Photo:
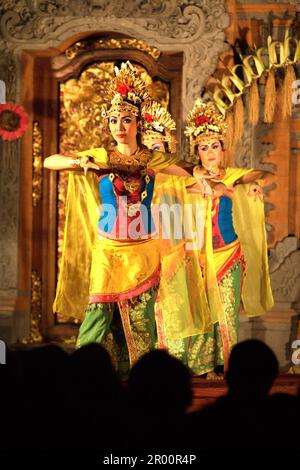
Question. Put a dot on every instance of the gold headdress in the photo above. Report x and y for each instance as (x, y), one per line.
(157, 125)
(126, 92)
(204, 121)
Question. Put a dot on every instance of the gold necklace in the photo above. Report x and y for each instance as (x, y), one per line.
(219, 173)
(132, 162)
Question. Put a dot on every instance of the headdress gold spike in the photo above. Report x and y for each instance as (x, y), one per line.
(158, 125)
(126, 91)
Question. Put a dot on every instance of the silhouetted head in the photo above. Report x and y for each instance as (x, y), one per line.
(252, 369)
(92, 357)
(160, 383)
(44, 362)
(92, 373)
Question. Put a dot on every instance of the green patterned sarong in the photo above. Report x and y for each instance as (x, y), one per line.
(203, 352)
(127, 329)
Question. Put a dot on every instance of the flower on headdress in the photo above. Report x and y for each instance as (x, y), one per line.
(213, 127)
(201, 120)
(13, 121)
(148, 117)
(198, 130)
(123, 89)
(159, 127)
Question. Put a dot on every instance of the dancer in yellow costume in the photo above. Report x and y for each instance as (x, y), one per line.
(111, 257)
(227, 258)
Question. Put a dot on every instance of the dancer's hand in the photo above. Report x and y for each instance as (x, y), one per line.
(86, 164)
(200, 173)
(206, 190)
(219, 189)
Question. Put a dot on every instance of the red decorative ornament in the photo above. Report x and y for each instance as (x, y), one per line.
(13, 121)
(123, 89)
(148, 117)
(201, 120)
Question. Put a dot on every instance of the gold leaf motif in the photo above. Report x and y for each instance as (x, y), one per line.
(275, 54)
(112, 43)
(37, 164)
(35, 335)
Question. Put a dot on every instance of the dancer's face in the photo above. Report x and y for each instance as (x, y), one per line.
(123, 128)
(211, 153)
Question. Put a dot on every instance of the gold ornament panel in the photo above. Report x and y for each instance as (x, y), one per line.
(111, 43)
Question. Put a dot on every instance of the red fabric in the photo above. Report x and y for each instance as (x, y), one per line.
(98, 298)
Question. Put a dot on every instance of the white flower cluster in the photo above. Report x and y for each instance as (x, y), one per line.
(213, 127)
(157, 126)
(198, 130)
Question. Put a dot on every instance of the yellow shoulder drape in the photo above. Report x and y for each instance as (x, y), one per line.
(190, 297)
(160, 160)
(183, 299)
(82, 214)
(249, 224)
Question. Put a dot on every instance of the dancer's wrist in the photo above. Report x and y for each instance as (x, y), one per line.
(75, 162)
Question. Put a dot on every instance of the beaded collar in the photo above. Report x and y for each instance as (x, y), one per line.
(131, 163)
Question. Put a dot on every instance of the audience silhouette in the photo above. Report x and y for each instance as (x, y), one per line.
(246, 415)
(98, 397)
(160, 391)
(54, 400)
(252, 369)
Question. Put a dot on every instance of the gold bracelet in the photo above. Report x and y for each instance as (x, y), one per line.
(75, 162)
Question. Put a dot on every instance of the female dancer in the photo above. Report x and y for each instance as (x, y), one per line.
(232, 256)
(115, 271)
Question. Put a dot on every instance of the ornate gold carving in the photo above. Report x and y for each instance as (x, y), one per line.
(196, 29)
(37, 164)
(127, 43)
(35, 335)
